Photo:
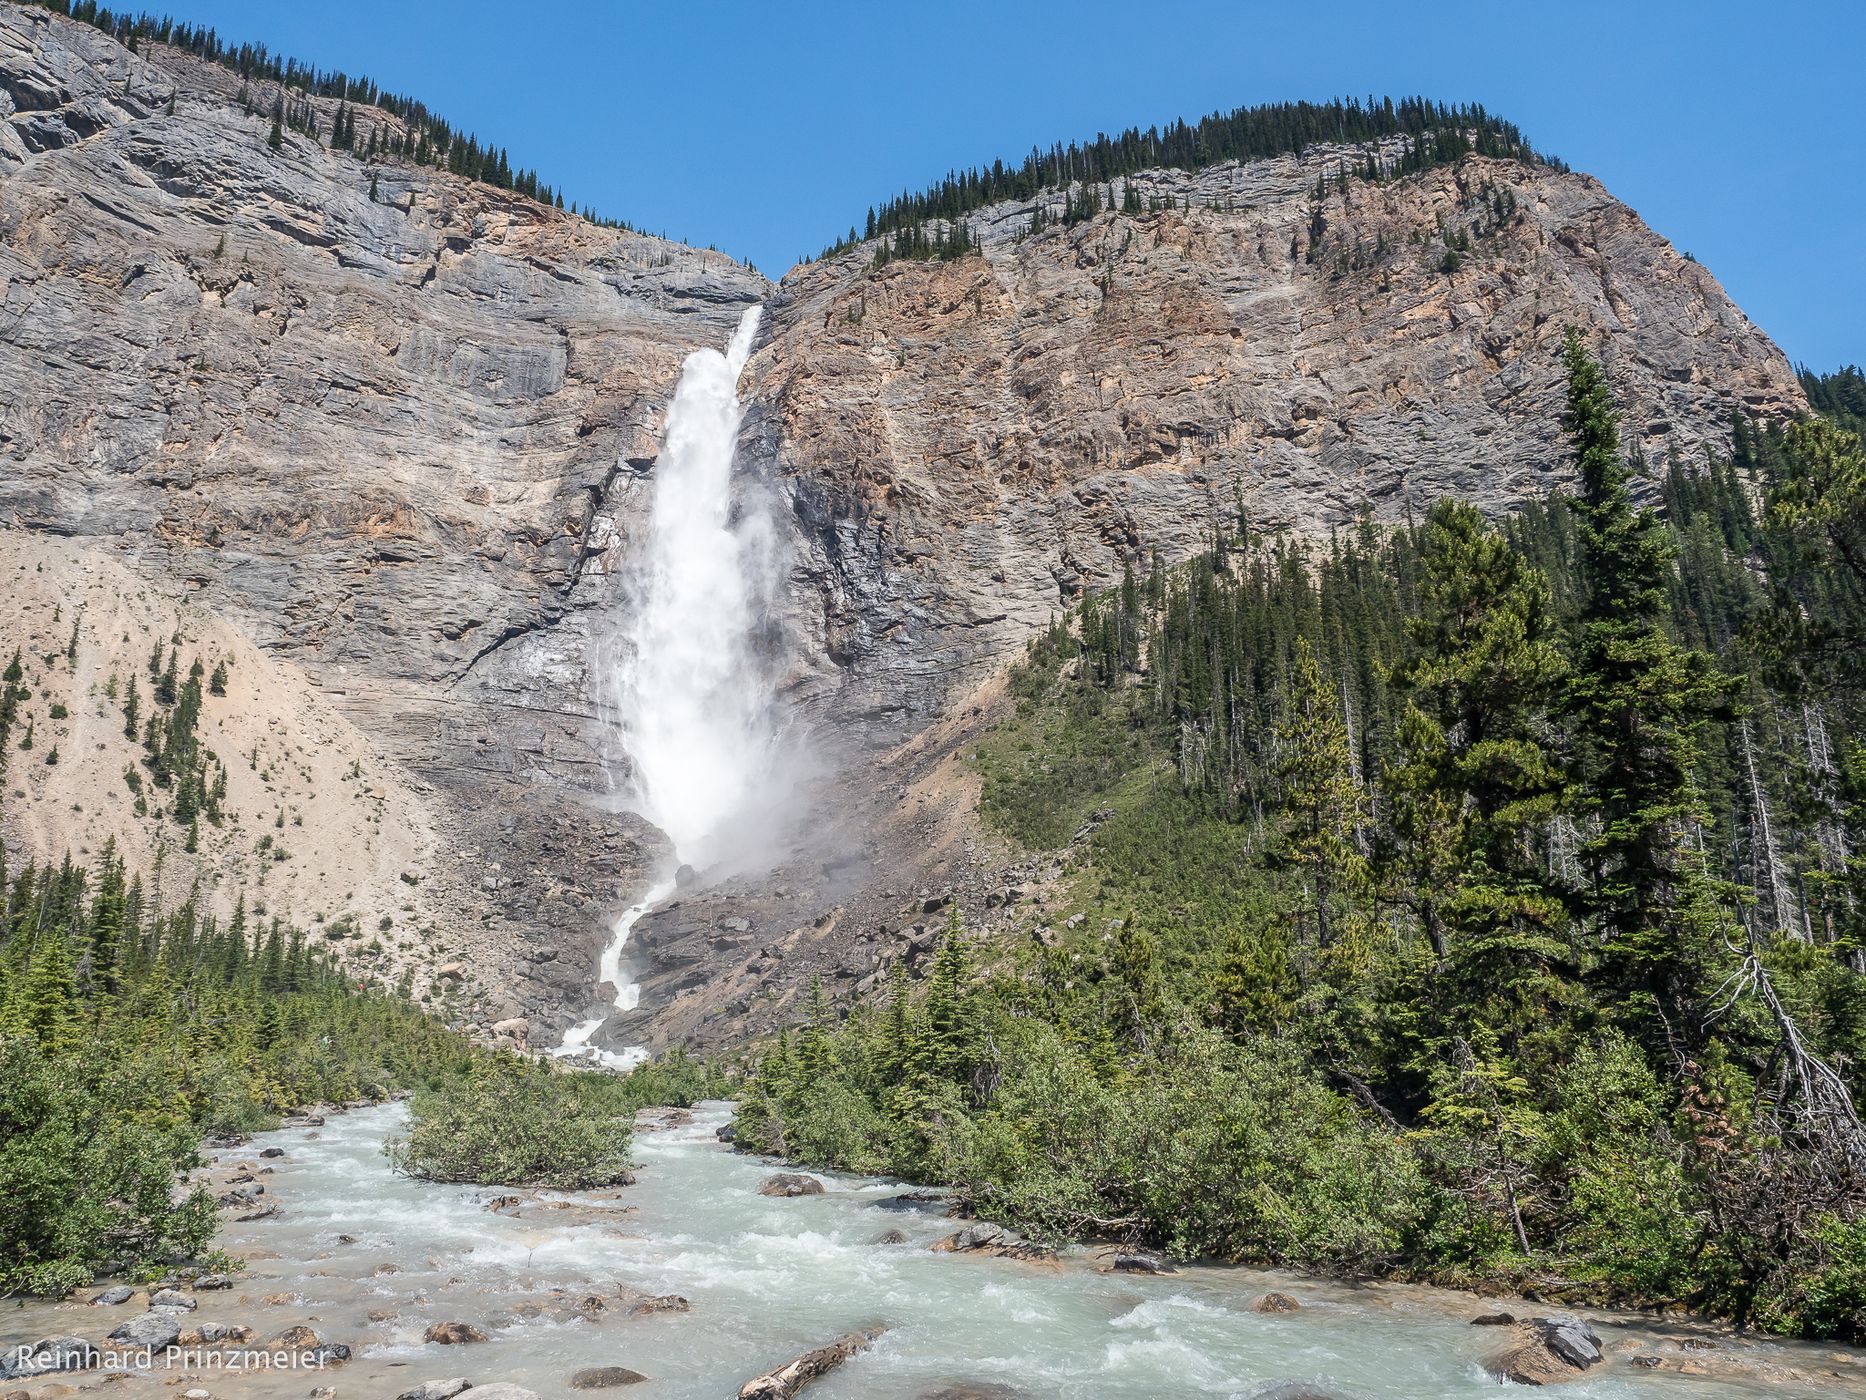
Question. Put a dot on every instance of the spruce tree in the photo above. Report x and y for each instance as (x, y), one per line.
(1481, 779)
(1323, 799)
(1637, 700)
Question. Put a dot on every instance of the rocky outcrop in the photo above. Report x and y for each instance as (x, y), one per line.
(1547, 1351)
(787, 1184)
(971, 445)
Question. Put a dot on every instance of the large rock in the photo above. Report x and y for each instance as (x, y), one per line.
(436, 1390)
(453, 1333)
(155, 1330)
(1139, 1261)
(1573, 1340)
(973, 1239)
(1546, 1351)
(48, 1355)
(790, 1184)
(605, 1378)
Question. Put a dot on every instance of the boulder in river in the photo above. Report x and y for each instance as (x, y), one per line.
(211, 1282)
(790, 1184)
(152, 1329)
(1547, 1351)
(47, 1355)
(437, 1390)
(1494, 1319)
(453, 1333)
(974, 1239)
(654, 1120)
(1276, 1303)
(890, 1237)
(112, 1296)
(213, 1333)
(500, 1390)
(1139, 1261)
(995, 1240)
(911, 1200)
(172, 1298)
(605, 1378)
(649, 1304)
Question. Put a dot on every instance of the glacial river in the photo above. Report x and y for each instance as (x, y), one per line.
(371, 1260)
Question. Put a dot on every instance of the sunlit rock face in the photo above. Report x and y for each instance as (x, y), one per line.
(972, 444)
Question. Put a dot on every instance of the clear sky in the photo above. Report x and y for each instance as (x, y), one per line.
(1735, 128)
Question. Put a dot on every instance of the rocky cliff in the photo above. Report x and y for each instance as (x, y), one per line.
(393, 432)
(973, 444)
(383, 421)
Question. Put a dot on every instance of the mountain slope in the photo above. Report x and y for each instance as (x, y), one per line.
(384, 435)
(397, 430)
(975, 443)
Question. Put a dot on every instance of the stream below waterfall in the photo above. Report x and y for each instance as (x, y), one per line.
(372, 1260)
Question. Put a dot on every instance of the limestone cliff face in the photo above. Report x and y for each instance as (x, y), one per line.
(972, 444)
(396, 430)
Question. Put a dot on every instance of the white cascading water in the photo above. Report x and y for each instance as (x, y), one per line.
(695, 699)
(696, 704)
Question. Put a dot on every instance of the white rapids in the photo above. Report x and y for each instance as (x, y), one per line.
(371, 1260)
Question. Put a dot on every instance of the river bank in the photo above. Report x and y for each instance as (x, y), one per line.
(694, 1281)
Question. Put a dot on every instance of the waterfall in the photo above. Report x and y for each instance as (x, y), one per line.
(696, 698)
(692, 690)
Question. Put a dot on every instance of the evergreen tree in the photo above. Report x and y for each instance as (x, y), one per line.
(1637, 701)
(1324, 801)
(1481, 781)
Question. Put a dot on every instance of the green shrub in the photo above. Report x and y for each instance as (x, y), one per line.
(90, 1151)
(512, 1122)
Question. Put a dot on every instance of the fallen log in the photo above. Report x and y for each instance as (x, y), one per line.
(792, 1377)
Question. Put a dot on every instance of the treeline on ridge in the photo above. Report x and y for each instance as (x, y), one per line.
(926, 224)
(424, 136)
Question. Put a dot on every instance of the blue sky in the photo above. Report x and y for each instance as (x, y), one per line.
(1735, 129)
